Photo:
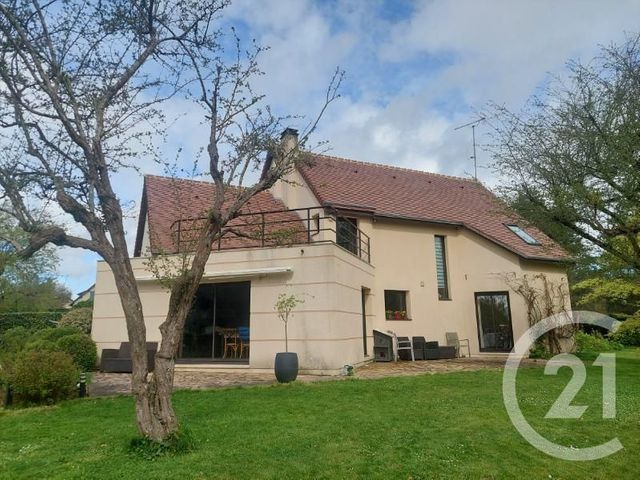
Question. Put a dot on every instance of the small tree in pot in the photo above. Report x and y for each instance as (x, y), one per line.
(286, 365)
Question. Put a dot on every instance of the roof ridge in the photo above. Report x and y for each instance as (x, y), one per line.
(164, 177)
(192, 180)
(395, 167)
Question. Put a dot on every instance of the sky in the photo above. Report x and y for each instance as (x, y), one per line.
(415, 70)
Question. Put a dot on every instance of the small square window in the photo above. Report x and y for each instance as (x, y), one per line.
(523, 235)
(395, 305)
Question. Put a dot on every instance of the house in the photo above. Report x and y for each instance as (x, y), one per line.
(84, 296)
(367, 246)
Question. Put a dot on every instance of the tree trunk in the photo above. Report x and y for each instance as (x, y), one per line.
(154, 410)
(152, 393)
(156, 417)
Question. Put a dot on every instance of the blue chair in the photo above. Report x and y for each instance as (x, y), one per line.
(243, 334)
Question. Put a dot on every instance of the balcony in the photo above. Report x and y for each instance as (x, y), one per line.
(276, 229)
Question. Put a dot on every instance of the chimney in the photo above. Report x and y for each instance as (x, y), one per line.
(288, 143)
(289, 138)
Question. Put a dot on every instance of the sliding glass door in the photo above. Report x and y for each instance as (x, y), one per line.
(493, 313)
(217, 328)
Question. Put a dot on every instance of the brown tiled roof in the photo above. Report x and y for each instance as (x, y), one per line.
(170, 201)
(387, 191)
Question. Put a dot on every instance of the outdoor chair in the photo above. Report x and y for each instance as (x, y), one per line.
(419, 346)
(231, 342)
(431, 351)
(454, 341)
(118, 360)
(243, 334)
(402, 345)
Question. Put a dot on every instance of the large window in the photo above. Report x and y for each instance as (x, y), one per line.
(347, 234)
(395, 305)
(441, 268)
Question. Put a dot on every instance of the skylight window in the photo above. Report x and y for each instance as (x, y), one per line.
(523, 235)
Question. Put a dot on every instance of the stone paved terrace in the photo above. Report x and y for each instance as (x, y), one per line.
(406, 368)
(104, 384)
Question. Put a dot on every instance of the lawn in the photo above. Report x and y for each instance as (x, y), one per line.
(431, 426)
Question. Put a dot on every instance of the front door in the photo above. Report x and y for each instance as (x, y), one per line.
(493, 313)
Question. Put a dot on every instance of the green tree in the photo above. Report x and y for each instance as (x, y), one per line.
(618, 297)
(570, 161)
(27, 284)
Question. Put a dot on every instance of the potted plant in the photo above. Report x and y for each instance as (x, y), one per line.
(286, 364)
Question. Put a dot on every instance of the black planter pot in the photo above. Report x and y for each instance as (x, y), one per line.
(286, 366)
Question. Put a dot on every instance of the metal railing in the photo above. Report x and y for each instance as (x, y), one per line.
(278, 228)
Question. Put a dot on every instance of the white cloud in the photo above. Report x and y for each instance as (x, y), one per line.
(503, 49)
(412, 76)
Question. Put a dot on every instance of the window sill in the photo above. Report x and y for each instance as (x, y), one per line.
(445, 299)
(398, 319)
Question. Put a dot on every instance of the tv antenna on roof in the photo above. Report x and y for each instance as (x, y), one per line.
(473, 133)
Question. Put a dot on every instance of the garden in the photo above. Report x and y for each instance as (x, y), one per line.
(429, 426)
(41, 362)
(450, 425)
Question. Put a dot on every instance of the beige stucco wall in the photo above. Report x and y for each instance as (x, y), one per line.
(294, 192)
(403, 254)
(326, 331)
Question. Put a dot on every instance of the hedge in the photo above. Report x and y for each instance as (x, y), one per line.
(79, 318)
(29, 320)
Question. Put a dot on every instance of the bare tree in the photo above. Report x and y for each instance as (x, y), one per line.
(81, 89)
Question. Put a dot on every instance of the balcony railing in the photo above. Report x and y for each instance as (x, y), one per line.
(278, 228)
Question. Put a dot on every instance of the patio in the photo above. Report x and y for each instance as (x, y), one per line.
(106, 384)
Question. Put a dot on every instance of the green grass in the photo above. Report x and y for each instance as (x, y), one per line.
(432, 426)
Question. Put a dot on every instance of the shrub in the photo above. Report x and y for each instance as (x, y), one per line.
(43, 376)
(629, 332)
(78, 318)
(54, 334)
(81, 348)
(14, 340)
(594, 342)
(41, 344)
(538, 350)
(29, 320)
(84, 304)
